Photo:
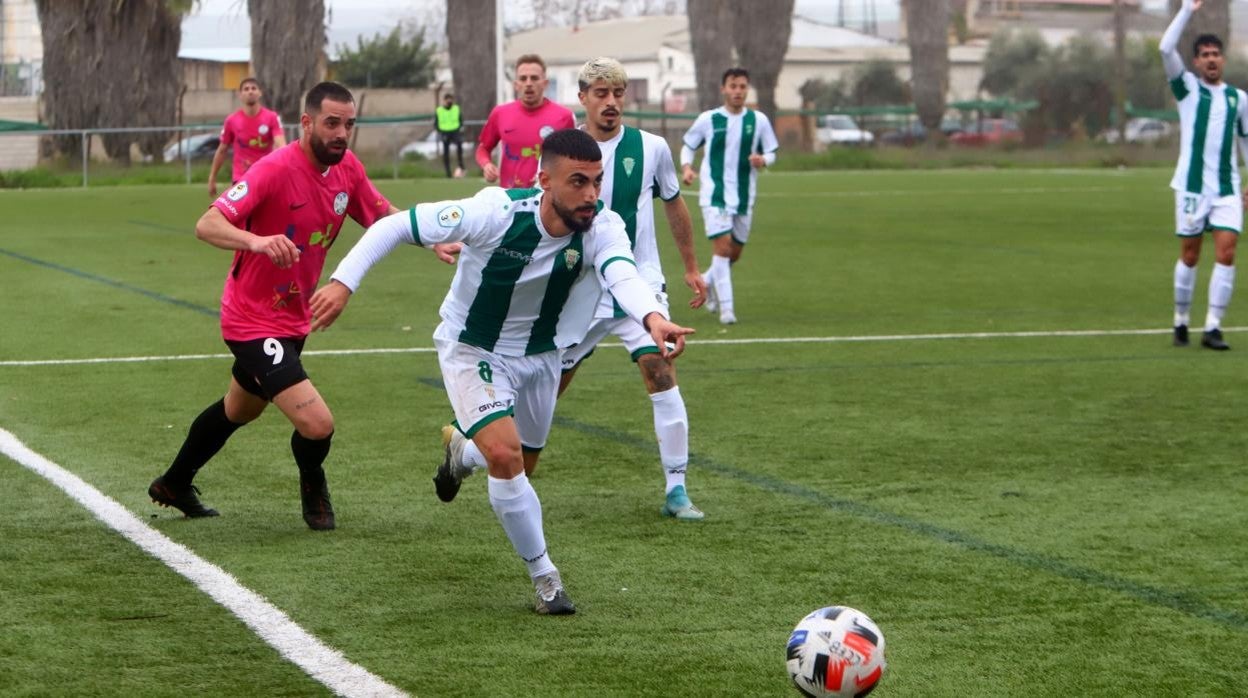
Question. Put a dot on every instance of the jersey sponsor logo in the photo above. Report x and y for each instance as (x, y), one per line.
(514, 254)
(491, 406)
(450, 217)
(570, 258)
(340, 203)
(546, 131)
(296, 207)
(629, 163)
(237, 192)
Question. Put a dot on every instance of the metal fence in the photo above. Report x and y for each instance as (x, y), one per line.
(21, 79)
(382, 143)
(191, 148)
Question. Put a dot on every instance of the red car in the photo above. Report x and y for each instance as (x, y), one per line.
(989, 132)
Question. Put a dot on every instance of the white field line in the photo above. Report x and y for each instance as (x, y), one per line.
(844, 339)
(692, 193)
(320, 661)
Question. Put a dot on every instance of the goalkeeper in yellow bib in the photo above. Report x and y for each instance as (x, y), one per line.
(1206, 184)
(637, 168)
(739, 141)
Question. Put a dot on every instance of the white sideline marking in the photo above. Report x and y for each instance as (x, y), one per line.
(844, 339)
(322, 662)
(866, 193)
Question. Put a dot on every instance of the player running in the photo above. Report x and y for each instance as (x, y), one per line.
(281, 219)
(253, 130)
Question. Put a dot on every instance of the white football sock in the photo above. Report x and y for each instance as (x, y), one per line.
(519, 511)
(671, 427)
(1221, 285)
(1184, 283)
(473, 457)
(721, 271)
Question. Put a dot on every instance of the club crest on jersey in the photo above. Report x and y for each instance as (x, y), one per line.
(571, 257)
(340, 203)
(628, 166)
(237, 192)
(264, 128)
(450, 217)
(546, 131)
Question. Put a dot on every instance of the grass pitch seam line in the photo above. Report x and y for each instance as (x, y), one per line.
(110, 282)
(320, 661)
(1181, 602)
(692, 342)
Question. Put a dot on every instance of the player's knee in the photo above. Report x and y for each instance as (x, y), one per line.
(657, 373)
(316, 427)
(504, 456)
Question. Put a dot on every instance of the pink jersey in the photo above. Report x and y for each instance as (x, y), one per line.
(284, 194)
(251, 136)
(521, 131)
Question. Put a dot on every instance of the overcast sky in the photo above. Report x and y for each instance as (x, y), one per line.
(224, 24)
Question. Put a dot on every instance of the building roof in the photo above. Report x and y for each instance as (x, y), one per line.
(640, 38)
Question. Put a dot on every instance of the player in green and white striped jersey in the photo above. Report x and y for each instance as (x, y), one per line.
(533, 265)
(637, 168)
(1206, 184)
(739, 141)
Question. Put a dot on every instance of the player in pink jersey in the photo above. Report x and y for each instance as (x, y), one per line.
(521, 126)
(280, 218)
(253, 130)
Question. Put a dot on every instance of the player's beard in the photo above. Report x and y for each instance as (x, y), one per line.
(567, 215)
(323, 154)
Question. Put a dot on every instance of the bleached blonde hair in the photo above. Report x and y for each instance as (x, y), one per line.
(602, 68)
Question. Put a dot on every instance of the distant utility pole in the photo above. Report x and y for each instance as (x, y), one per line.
(1120, 68)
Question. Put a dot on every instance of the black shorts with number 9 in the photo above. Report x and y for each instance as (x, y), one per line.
(266, 367)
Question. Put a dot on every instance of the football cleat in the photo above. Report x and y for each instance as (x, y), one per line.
(1212, 339)
(452, 472)
(679, 507)
(727, 317)
(1180, 336)
(552, 599)
(183, 499)
(318, 512)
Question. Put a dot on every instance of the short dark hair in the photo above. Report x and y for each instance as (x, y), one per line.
(1206, 40)
(251, 80)
(570, 143)
(734, 73)
(530, 58)
(326, 90)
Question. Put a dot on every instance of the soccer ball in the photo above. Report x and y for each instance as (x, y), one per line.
(836, 651)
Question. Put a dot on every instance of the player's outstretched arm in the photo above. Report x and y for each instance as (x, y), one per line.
(1169, 46)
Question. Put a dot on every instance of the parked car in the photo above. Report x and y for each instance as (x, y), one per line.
(201, 147)
(1142, 130)
(914, 132)
(839, 129)
(430, 148)
(989, 132)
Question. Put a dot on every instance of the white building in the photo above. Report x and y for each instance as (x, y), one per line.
(657, 54)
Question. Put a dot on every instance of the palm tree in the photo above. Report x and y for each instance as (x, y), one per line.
(287, 51)
(927, 33)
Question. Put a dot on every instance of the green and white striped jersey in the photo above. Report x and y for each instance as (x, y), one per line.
(517, 290)
(728, 180)
(1210, 118)
(637, 167)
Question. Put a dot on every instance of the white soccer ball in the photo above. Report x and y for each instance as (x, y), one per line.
(836, 651)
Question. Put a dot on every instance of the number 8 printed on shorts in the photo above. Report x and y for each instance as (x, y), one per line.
(273, 348)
